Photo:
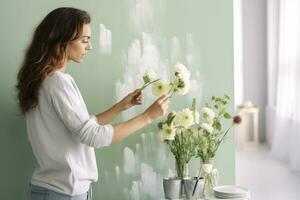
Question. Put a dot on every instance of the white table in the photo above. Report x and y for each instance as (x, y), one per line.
(250, 114)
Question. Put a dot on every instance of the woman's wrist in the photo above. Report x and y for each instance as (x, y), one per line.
(119, 107)
(146, 117)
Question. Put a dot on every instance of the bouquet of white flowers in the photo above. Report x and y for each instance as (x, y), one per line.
(210, 133)
(177, 132)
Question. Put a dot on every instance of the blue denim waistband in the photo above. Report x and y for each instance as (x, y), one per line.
(42, 192)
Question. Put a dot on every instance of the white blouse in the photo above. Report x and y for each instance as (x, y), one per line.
(63, 136)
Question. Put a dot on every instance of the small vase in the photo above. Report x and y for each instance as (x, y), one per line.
(193, 187)
(210, 175)
(185, 172)
(182, 169)
(173, 188)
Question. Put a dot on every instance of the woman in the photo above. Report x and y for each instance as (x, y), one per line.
(61, 132)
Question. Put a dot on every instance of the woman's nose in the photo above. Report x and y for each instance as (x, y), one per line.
(89, 46)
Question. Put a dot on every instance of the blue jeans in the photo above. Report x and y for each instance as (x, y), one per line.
(40, 193)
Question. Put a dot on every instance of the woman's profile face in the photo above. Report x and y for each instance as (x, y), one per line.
(77, 49)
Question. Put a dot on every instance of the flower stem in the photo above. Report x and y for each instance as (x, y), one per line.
(149, 83)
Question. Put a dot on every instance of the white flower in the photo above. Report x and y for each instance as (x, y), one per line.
(181, 71)
(182, 86)
(160, 87)
(149, 76)
(184, 118)
(208, 114)
(207, 127)
(168, 132)
(207, 168)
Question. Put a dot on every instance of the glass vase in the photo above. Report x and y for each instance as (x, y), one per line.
(210, 174)
(182, 169)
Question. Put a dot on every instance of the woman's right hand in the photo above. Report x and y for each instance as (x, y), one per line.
(158, 108)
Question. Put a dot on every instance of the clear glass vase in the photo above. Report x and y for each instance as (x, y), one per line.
(182, 169)
(210, 174)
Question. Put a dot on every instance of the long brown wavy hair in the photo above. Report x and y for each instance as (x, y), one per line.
(47, 52)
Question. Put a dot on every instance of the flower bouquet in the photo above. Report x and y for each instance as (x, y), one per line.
(210, 134)
(176, 131)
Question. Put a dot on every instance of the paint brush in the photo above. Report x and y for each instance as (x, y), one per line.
(194, 190)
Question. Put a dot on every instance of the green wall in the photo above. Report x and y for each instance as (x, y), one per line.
(209, 21)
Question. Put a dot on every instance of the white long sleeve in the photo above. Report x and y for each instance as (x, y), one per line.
(63, 136)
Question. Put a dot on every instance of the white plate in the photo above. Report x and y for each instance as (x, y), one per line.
(231, 190)
(231, 197)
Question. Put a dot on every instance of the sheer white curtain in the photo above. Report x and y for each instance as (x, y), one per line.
(283, 112)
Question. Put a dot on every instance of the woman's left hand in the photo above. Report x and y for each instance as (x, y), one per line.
(132, 99)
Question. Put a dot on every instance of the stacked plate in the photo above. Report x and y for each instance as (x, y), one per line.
(232, 192)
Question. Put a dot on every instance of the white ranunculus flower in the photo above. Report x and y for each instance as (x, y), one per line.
(182, 87)
(207, 127)
(168, 132)
(184, 118)
(208, 114)
(160, 87)
(209, 121)
(149, 76)
(181, 71)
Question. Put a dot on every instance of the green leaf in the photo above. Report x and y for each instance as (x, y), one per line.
(227, 116)
(160, 125)
(227, 97)
(218, 125)
(146, 79)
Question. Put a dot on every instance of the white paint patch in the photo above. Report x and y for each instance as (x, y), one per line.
(149, 179)
(193, 60)
(143, 169)
(141, 14)
(142, 56)
(129, 161)
(150, 56)
(196, 88)
(145, 15)
(190, 47)
(135, 190)
(118, 173)
(171, 173)
(149, 187)
(105, 40)
(175, 50)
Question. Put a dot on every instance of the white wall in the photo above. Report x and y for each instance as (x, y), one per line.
(254, 55)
